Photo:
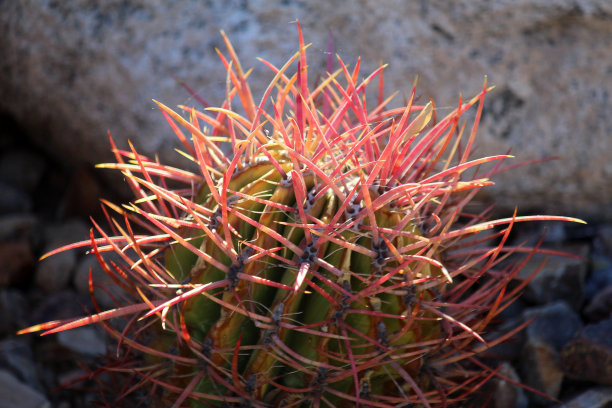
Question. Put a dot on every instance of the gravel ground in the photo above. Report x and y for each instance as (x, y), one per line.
(567, 352)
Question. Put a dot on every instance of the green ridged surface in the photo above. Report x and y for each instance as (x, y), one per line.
(262, 365)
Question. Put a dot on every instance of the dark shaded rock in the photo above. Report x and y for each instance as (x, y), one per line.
(16, 356)
(61, 305)
(507, 394)
(83, 193)
(540, 369)
(600, 276)
(13, 200)
(88, 341)
(17, 227)
(600, 307)
(588, 357)
(510, 350)
(502, 391)
(107, 293)
(603, 240)
(55, 272)
(66, 232)
(16, 259)
(554, 325)
(13, 311)
(22, 169)
(14, 393)
(561, 278)
(594, 398)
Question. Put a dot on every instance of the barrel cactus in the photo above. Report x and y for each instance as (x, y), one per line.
(320, 255)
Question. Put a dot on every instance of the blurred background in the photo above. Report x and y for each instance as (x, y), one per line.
(70, 71)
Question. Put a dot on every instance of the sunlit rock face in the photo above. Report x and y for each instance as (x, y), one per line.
(71, 71)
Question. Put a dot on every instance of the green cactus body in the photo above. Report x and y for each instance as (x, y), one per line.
(333, 312)
(316, 259)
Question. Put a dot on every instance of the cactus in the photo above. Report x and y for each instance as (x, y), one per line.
(320, 255)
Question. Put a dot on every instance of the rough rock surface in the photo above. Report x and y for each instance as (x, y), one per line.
(560, 278)
(593, 398)
(588, 357)
(505, 393)
(556, 323)
(15, 394)
(72, 70)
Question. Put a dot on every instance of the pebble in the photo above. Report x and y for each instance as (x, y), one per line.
(554, 325)
(588, 357)
(67, 232)
(509, 395)
(600, 306)
(603, 240)
(13, 311)
(105, 290)
(22, 168)
(66, 304)
(16, 356)
(88, 340)
(14, 393)
(13, 200)
(18, 227)
(501, 393)
(600, 397)
(540, 368)
(16, 259)
(82, 198)
(55, 272)
(600, 277)
(561, 278)
(509, 350)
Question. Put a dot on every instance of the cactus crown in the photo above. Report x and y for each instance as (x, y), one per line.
(318, 255)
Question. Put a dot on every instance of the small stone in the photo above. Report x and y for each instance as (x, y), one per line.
(603, 240)
(67, 232)
(66, 304)
(555, 323)
(560, 278)
(600, 307)
(594, 398)
(588, 357)
(22, 169)
(540, 369)
(16, 356)
(507, 394)
(508, 350)
(13, 200)
(14, 394)
(83, 340)
(105, 290)
(600, 276)
(55, 272)
(17, 227)
(16, 259)
(13, 311)
(501, 392)
(82, 196)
